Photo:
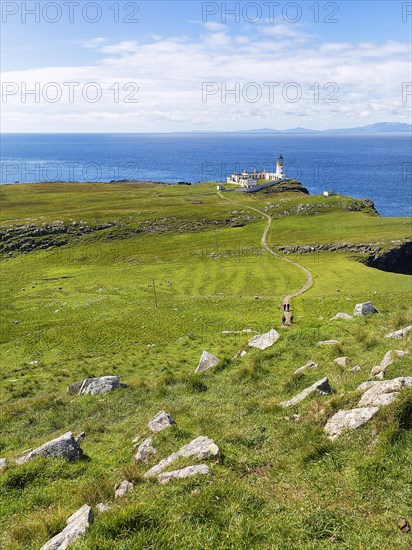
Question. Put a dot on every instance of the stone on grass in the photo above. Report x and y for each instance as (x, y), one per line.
(388, 359)
(341, 315)
(64, 446)
(101, 507)
(321, 386)
(366, 308)
(145, 451)
(189, 471)
(348, 420)
(384, 393)
(76, 527)
(356, 368)
(160, 422)
(207, 361)
(3, 463)
(201, 448)
(95, 386)
(341, 361)
(328, 342)
(123, 488)
(263, 341)
(399, 333)
(309, 365)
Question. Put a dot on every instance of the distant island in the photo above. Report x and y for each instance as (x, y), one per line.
(377, 128)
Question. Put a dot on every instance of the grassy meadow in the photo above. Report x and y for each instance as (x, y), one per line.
(142, 300)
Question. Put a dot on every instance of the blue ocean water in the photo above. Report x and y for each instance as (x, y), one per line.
(377, 167)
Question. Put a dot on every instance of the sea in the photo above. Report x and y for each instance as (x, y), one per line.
(377, 167)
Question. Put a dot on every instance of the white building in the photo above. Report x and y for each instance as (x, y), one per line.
(250, 179)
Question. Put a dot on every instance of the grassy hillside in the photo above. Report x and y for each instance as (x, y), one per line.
(82, 304)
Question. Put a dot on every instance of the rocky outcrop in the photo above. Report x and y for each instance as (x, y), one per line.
(161, 421)
(385, 392)
(77, 525)
(263, 341)
(367, 308)
(3, 463)
(396, 260)
(322, 386)
(348, 420)
(145, 451)
(65, 446)
(201, 448)
(388, 359)
(123, 488)
(207, 361)
(95, 386)
(365, 248)
(29, 237)
(189, 471)
(399, 333)
(376, 395)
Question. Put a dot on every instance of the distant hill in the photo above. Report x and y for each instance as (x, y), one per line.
(377, 128)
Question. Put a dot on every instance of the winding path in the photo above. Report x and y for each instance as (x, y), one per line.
(309, 279)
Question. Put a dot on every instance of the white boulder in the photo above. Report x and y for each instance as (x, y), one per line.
(348, 420)
(77, 524)
(385, 392)
(399, 333)
(321, 386)
(263, 341)
(201, 448)
(65, 446)
(366, 308)
(207, 361)
(160, 422)
(189, 471)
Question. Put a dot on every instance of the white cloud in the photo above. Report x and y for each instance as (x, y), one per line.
(170, 73)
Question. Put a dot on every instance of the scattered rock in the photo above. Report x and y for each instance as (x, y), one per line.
(161, 421)
(384, 393)
(101, 507)
(387, 360)
(399, 333)
(341, 315)
(367, 308)
(207, 361)
(202, 447)
(94, 386)
(3, 463)
(243, 353)
(322, 386)
(123, 488)
(341, 361)
(348, 420)
(328, 342)
(145, 451)
(263, 341)
(77, 524)
(356, 368)
(189, 471)
(309, 365)
(64, 446)
(404, 526)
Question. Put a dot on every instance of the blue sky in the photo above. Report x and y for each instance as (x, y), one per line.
(312, 64)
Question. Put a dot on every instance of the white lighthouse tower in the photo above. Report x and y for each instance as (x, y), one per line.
(279, 167)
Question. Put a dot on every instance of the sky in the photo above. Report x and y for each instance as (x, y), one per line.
(172, 66)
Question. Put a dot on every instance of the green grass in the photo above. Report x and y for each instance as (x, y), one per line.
(87, 309)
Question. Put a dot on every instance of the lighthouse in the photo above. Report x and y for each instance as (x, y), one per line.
(279, 167)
